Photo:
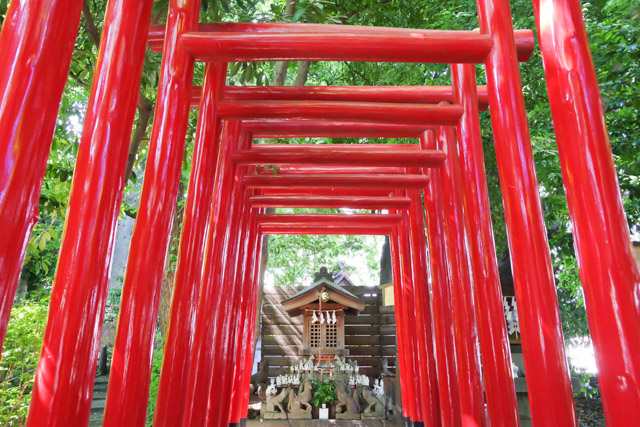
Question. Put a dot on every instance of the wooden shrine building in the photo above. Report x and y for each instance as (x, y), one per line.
(323, 306)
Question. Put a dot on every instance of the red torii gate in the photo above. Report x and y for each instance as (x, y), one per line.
(32, 76)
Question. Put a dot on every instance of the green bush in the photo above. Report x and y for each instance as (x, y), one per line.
(20, 356)
(324, 392)
(156, 366)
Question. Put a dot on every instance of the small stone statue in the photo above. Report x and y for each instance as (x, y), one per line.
(275, 401)
(346, 408)
(515, 369)
(300, 406)
(260, 377)
(375, 405)
(384, 368)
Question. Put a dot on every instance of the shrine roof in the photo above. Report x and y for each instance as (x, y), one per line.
(352, 304)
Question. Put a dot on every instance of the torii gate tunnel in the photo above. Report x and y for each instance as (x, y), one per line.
(207, 355)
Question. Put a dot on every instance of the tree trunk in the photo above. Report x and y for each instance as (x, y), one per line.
(145, 110)
(280, 68)
(386, 272)
(303, 73)
(166, 292)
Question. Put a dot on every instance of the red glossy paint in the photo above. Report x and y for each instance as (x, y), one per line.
(379, 181)
(492, 332)
(72, 335)
(329, 220)
(241, 411)
(443, 328)
(422, 301)
(327, 191)
(170, 401)
(224, 349)
(316, 170)
(324, 128)
(33, 72)
(525, 41)
(130, 373)
(608, 271)
(244, 338)
(417, 374)
(407, 379)
(380, 112)
(329, 202)
(339, 156)
(328, 147)
(550, 393)
(462, 284)
(211, 306)
(395, 94)
(324, 230)
(435, 46)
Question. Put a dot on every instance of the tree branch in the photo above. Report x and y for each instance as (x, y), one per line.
(145, 108)
(90, 26)
(78, 80)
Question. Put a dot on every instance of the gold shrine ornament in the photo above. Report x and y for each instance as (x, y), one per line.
(324, 295)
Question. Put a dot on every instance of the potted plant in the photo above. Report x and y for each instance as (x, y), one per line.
(324, 393)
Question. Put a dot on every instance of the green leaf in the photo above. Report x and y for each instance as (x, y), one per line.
(298, 14)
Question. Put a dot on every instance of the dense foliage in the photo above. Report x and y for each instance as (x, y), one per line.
(324, 392)
(614, 29)
(20, 358)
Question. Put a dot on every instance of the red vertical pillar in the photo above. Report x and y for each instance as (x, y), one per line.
(128, 390)
(36, 41)
(71, 341)
(608, 271)
(226, 346)
(492, 330)
(244, 338)
(550, 394)
(415, 353)
(427, 367)
(244, 396)
(407, 380)
(459, 272)
(214, 292)
(238, 338)
(171, 396)
(442, 306)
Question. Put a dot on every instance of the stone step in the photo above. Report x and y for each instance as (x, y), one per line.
(98, 404)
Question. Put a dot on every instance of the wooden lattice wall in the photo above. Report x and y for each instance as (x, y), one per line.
(369, 337)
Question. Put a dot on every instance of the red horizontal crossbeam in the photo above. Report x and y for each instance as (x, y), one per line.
(356, 147)
(329, 220)
(329, 202)
(308, 230)
(376, 182)
(317, 170)
(339, 156)
(423, 114)
(423, 46)
(525, 41)
(326, 191)
(328, 129)
(395, 94)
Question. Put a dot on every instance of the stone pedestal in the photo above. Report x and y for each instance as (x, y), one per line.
(373, 416)
(275, 416)
(347, 416)
(299, 416)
